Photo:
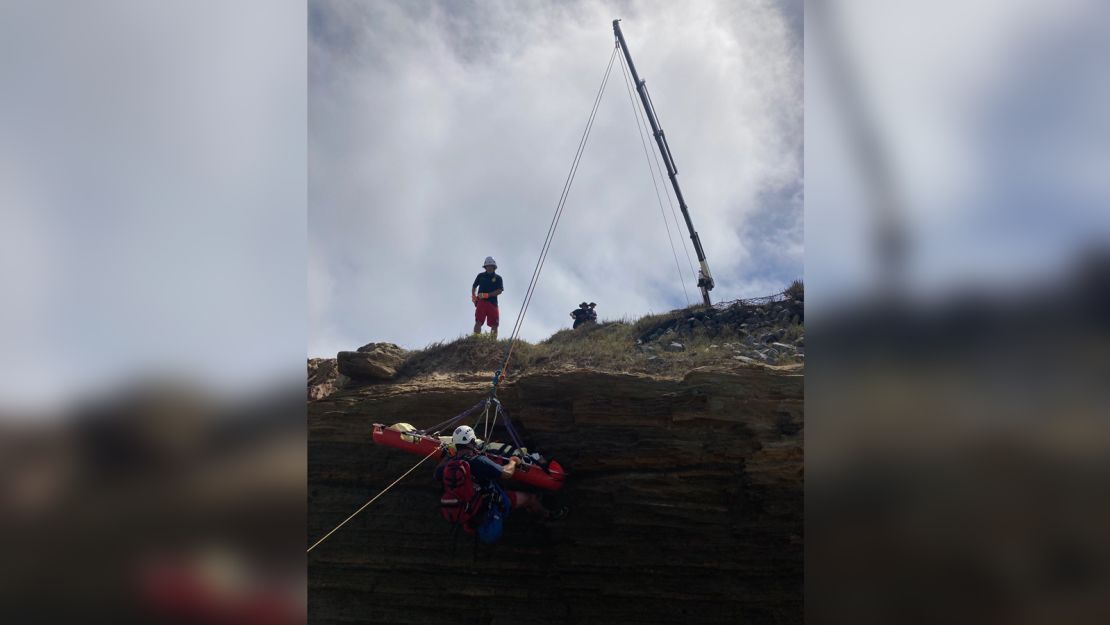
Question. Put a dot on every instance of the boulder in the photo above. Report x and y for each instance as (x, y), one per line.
(675, 346)
(374, 361)
(383, 348)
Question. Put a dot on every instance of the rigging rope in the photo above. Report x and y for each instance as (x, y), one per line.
(654, 183)
(520, 318)
(485, 416)
(437, 428)
(666, 188)
(364, 506)
(515, 335)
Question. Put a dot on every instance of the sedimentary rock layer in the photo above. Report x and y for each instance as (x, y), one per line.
(685, 497)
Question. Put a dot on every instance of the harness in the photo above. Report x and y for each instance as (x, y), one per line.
(475, 509)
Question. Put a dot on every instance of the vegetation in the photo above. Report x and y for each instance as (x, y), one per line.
(643, 345)
(796, 291)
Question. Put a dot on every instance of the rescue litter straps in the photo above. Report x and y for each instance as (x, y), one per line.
(434, 452)
(437, 428)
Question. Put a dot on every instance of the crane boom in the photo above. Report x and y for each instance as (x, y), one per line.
(705, 279)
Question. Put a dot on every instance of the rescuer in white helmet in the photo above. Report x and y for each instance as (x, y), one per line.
(486, 473)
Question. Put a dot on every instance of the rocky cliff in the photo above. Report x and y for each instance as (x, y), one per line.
(685, 495)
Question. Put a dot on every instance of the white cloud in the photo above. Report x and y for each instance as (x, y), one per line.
(439, 135)
(161, 179)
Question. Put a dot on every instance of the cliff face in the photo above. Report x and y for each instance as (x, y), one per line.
(685, 503)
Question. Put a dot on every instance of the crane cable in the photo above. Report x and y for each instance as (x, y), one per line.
(527, 298)
(515, 335)
(654, 182)
(666, 189)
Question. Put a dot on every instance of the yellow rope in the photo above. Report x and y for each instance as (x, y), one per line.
(372, 500)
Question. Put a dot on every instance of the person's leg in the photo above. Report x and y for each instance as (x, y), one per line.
(493, 318)
(528, 502)
(479, 318)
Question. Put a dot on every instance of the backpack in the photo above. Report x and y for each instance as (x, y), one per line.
(460, 502)
(499, 506)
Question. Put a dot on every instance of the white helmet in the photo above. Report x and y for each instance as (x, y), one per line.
(489, 261)
(464, 435)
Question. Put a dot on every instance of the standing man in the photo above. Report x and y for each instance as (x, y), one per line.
(580, 314)
(487, 286)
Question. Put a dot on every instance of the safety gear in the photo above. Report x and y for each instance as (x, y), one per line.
(464, 435)
(460, 501)
(499, 507)
(477, 512)
(489, 261)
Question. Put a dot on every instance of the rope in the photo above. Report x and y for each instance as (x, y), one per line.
(485, 417)
(666, 188)
(509, 426)
(654, 184)
(495, 415)
(515, 335)
(364, 506)
(437, 428)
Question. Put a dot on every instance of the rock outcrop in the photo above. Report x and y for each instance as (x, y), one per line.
(685, 503)
(323, 378)
(372, 362)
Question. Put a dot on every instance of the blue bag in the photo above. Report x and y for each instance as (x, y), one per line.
(490, 529)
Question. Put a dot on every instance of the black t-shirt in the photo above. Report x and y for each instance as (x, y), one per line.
(488, 283)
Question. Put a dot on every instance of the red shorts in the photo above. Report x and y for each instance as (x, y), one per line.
(514, 499)
(485, 312)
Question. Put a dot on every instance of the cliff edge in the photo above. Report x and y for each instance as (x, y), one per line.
(685, 482)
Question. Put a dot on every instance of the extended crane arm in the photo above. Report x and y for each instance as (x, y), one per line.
(705, 279)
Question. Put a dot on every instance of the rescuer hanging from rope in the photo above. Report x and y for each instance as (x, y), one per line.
(487, 286)
(473, 498)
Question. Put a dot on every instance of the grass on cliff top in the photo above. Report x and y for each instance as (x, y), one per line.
(609, 346)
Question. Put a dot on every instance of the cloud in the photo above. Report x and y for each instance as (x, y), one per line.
(157, 208)
(990, 117)
(440, 133)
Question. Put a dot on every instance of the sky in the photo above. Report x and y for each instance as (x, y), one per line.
(442, 133)
(991, 119)
(152, 196)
